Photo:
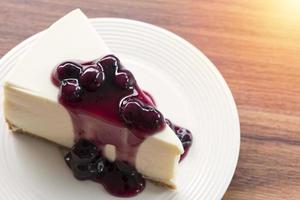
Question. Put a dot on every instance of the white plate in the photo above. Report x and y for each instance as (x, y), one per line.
(188, 89)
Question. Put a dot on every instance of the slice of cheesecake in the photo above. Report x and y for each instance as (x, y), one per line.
(33, 106)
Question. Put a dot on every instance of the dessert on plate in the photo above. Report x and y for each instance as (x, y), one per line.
(70, 89)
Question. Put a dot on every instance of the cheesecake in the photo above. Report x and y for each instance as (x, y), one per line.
(70, 89)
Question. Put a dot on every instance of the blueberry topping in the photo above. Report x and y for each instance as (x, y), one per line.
(123, 180)
(80, 171)
(97, 166)
(84, 151)
(93, 169)
(145, 119)
(70, 90)
(119, 178)
(92, 78)
(68, 70)
(184, 135)
(125, 79)
(110, 65)
(103, 90)
(85, 161)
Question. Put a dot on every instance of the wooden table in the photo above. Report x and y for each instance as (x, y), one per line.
(256, 46)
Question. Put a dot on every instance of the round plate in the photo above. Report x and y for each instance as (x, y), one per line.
(188, 89)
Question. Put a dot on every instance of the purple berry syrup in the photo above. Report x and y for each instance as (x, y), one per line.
(104, 102)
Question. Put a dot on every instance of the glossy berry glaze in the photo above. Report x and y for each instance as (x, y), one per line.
(102, 98)
(185, 136)
(104, 102)
(118, 178)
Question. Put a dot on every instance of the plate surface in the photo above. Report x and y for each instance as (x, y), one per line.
(188, 89)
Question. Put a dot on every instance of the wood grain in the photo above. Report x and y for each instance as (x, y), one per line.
(256, 46)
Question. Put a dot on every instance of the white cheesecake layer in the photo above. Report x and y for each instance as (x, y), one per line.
(37, 115)
(71, 37)
(31, 99)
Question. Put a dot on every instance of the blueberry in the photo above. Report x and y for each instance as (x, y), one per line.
(144, 118)
(130, 111)
(70, 90)
(185, 136)
(91, 170)
(97, 166)
(110, 64)
(92, 78)
(119, 178)
(125, 79)
(84, 152)
(123, 180)
(85, 161)
(80, 171)
(68, 70)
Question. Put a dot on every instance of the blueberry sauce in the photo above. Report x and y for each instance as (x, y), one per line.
(107, 86)
(99, 96)
(118, 178)
(184, 135)
(104, 102)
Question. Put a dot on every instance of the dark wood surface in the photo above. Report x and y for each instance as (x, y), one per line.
(256, 46)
